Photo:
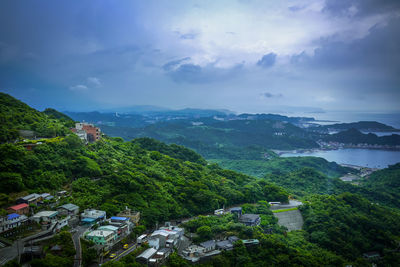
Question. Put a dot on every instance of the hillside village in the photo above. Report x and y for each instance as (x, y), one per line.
(39, 216)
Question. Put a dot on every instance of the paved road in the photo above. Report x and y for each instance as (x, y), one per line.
(76, 237)
(121, 253)
(11, 252)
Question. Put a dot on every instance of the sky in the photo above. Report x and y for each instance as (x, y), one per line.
(262, 56)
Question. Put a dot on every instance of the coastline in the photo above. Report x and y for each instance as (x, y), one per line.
(313, 150)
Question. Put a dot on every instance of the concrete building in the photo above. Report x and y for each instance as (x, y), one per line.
(19, 209)
(250, 242)
(208, 245)
(68, 209)
(101, 237)
(134, 216)
(124, 225)
(46, 196)
(11, 221)
(193, 251)
(145, 256)
(90, 216)
(63, 222)
(233, 239)
(114, 229)
(47, 216)
(87, 132)
(160, 257)
(250, 219)
(180, 231)
(224, 245)
(141, 239)
(29, 199)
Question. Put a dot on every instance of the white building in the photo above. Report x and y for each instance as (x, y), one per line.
(101, 237)
(92, 215)
(47, 216)
(11, 221)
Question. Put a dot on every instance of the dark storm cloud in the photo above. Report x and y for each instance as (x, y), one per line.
(378, 51)
(78, 51)
(267, 60)
(192, 73)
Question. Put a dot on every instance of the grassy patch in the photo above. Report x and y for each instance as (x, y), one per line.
(277, 211)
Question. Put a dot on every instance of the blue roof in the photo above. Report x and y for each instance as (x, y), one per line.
(119, 218)
(12, 216)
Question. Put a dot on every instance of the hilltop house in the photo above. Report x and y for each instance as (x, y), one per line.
(29, 199)
(68, 209)
(224, 245)
(250, 219)
(90, 216)
(134, 216)
(208, 245)
(46, 216)
(87, 132)
(19, 209)
(11, 221)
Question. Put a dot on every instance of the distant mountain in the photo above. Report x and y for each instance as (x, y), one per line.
(354, 136)
(220, 138)
(280, 166)
(110, 119)
(371, 126)
(140, 109)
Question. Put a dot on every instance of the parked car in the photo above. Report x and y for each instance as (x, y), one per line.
(113, 255)
(126, 246)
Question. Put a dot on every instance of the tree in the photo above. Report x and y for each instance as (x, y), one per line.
(204, 232)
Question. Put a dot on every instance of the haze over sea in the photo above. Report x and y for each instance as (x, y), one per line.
(392, 119)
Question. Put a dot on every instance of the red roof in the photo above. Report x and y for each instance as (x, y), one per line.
(20, 206)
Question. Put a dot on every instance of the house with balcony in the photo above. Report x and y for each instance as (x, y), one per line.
(102, 237)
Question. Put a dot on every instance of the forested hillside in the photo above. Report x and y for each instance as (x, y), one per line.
(111, 174)
(361, 126)
(215, 139)
(16, 115)
(350, 225)
(278, 165)
(353, 136)
(167, 182)
(387, 182)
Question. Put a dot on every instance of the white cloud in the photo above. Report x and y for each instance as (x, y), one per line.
(326, 99)
(93, 81)
(79, 87)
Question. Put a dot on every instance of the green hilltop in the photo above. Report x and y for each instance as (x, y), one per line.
(18, 118)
